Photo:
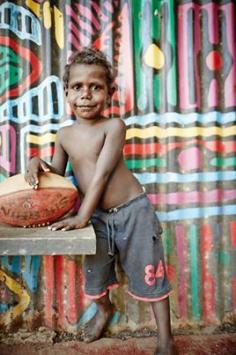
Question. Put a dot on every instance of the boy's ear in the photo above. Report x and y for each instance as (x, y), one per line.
(112, 90)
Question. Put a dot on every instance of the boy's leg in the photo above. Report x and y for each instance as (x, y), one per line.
(95, 327)
(100, 276)
(161, 310)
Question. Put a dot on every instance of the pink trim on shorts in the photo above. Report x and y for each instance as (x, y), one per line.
(96, 297)
(150, 299)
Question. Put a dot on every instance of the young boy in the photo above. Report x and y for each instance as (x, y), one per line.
(113, 200)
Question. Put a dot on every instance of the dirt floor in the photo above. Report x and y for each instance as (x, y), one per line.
(50, 343)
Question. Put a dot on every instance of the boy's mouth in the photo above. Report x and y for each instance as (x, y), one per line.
(85, 105)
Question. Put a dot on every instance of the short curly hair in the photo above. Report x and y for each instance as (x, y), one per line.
(88, 55)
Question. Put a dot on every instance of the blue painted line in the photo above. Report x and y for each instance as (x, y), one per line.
(195, 213)
(165, 178)
(11, 264)
(16, 12)
(24, 104)
(88, 314)
(182, 119)
(4, 307)
(31, 271)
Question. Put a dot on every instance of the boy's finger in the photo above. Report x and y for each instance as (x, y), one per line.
(35, 176)
(55, 226)
(35, 181)
(31, 181)
(32, 178)
(67, 228)
(60, 225)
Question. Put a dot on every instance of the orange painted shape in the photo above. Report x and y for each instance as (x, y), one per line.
(170, 271)
(209, 298)
(207, 238)
(60, 290)
(72, 305)
(233, 233)
(43, 152)
(214, 60)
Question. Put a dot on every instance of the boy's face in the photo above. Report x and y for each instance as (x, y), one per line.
(87, 92)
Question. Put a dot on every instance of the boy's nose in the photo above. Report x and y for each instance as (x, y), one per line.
(85, 94)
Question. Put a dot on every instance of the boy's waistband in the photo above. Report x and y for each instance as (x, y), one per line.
(125, 204)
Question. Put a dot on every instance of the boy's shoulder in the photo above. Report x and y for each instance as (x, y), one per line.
(115, 124)
(64, 129)
(106, 124)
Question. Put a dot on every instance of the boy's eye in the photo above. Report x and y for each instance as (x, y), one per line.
(96, 87)
(76, 87)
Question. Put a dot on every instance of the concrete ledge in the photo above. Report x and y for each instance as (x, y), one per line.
(42, 241)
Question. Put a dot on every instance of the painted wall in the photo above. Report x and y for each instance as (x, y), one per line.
(175, 62)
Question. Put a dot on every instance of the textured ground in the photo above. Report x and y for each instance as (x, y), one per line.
(44, 343)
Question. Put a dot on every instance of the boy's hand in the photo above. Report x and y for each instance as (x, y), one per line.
(34, 167)
(67, 224)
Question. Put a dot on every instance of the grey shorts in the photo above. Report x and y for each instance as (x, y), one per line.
(133, 232)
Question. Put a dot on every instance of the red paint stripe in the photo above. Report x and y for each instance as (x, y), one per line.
(171, 271)
(34, 64)
(42, 152)
(77, 33)
(72, 309)
(49, 290)
(208, 281)
(59, 271)
(182, 297)
(233, 233)
(80, 23)
(208, 297)
(154, 148)
(206, 238)
(151, 148)
(81, 295)
(88, 14)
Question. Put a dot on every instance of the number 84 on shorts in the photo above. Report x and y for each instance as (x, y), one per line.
(152, 273)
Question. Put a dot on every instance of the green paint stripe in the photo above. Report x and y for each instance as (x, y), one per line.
(69, 168)
(171, 76)
(224, 258)
(167, 238)
(145, 163)
(2, 177)
(193, 242)
(137, 14)
(223, 162)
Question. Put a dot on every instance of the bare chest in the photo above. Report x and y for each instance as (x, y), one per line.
(84, 145)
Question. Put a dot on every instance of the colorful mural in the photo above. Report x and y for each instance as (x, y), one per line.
(176, 78)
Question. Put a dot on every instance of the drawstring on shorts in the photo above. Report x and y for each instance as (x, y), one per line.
(110, 223)
(111, 232)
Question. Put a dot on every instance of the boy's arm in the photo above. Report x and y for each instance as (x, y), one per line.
(37, 165)
(107, 160)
